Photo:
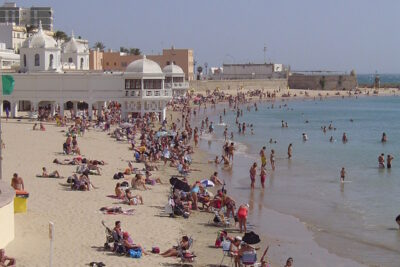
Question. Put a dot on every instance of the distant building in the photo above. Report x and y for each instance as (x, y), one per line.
(116, 61)
(322, 80)
(11, 13)
(13, 36)
(252, 71)
(8, 59)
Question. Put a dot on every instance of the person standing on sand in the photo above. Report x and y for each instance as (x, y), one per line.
(389, 161)
(381, 161)
(242, 216)
(272, 159)
(342, 174)
(253, 173)
(290, 150)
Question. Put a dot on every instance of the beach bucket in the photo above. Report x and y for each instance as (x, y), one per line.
(20, 203)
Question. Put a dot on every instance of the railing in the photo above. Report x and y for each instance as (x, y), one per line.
(148, 93)
(177, 85)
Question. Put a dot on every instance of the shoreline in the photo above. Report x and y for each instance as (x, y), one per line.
(288, 236)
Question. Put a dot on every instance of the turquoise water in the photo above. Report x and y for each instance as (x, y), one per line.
(355, 219)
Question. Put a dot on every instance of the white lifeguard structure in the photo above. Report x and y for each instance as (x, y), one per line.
(42, 81)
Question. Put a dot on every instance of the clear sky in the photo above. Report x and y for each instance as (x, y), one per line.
(305, 34)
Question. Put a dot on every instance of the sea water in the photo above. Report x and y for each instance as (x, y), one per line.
(355, 219)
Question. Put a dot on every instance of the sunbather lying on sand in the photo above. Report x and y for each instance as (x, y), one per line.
(173, 252)
(54, 174)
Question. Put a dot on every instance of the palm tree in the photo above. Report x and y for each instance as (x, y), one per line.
(60, 35)
(99, 45)
(30, 29)
(135, 51)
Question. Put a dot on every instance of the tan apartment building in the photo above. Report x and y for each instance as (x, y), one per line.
(116, 61)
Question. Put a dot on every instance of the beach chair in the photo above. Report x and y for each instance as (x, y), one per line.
(249, 258)
(226, 250)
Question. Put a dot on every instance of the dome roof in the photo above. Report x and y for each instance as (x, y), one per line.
(72, 46)
(39, 40)
(173, 69)
(144, 65)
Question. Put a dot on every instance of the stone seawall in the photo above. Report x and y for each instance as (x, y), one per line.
(322, 82)
(235, 84)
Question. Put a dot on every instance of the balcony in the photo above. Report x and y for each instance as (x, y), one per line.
(154, 93)
(181, 85)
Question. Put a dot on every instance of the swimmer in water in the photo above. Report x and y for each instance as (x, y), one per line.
(342, 175)
(398, 220)
(381, 161)
(389, 161)
(331, 139)
(305, 137)
(344, 138)
(384, 138)
(290, 150)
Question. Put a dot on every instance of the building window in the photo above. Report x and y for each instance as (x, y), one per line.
(37, 60)
(133, 84)
(115, 63)
(152, 84)
(108, 63)
(51, 59)
(70, 60)
(24, 60)
(81, 63)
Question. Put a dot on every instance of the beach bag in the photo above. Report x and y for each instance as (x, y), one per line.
(124, 184)
(135, 253)
(155, 250)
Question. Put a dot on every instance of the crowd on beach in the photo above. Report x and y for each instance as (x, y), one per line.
(170, 144)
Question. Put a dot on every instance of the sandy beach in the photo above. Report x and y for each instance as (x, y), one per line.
(79, 235)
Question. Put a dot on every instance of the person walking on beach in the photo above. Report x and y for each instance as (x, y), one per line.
(290, 150)
(342, 175)
(253, 173)
(389, 161)
(272, 159)
(381, 161)
(263, 157)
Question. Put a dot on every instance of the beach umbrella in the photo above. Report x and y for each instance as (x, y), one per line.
(179, 184)
(251, 238)
(207, 183)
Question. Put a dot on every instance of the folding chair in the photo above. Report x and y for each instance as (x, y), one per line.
(226, 250)
(249, 258)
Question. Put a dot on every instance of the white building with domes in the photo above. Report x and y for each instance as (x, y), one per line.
(40, 52)
(43, 82)
(75, 55)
